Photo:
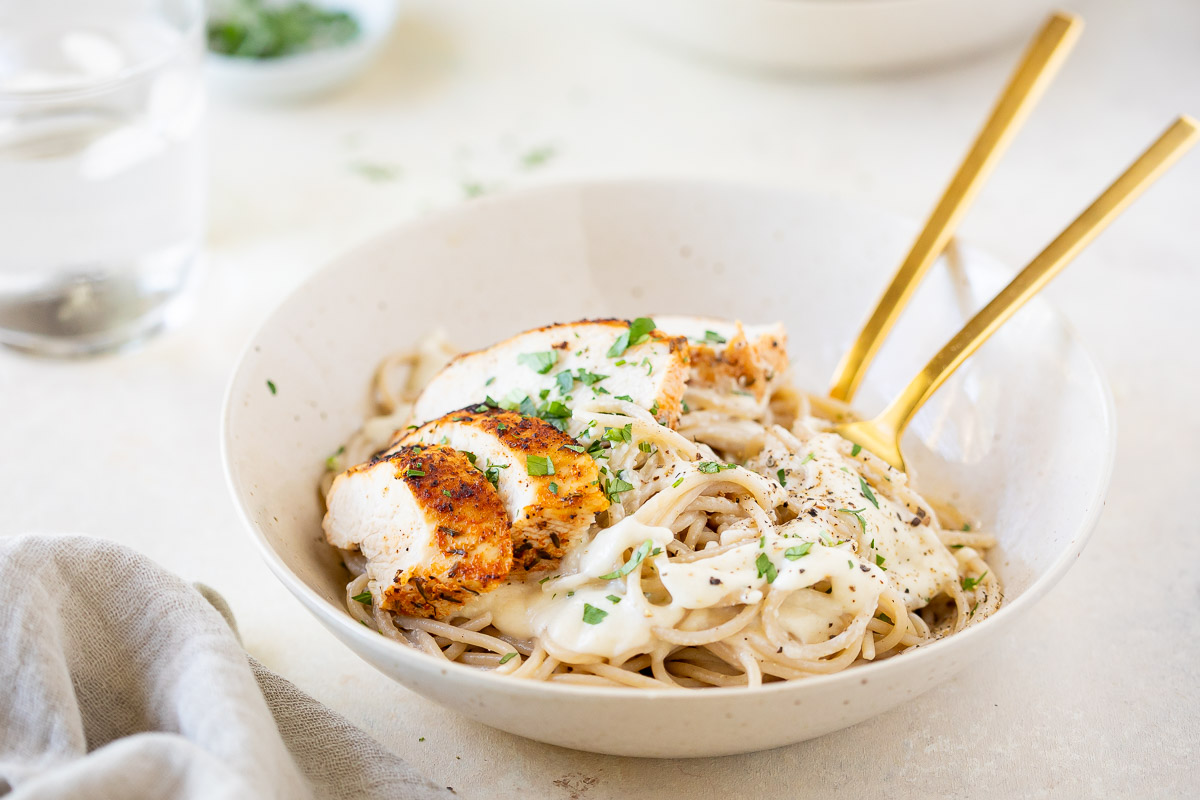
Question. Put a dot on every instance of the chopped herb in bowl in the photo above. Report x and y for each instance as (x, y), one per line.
(252, 29)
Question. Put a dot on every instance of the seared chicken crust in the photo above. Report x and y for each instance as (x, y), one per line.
(433, 529)
(547, 511)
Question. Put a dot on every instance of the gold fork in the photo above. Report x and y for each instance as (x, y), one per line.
(1045, 54)
(881, 435)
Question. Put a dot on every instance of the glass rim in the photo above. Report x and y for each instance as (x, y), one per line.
(197, 13)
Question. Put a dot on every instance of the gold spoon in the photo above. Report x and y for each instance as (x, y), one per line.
(882, 435)
(1046, 53)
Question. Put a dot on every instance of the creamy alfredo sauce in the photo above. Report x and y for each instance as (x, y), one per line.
(584, 608)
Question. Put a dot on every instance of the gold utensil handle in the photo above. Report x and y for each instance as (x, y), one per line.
(1026, 85)
(1173, 143)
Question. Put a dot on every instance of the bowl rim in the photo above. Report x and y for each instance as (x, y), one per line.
(368, 640)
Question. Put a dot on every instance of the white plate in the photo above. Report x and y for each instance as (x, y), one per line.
(1022, 437)
(836, 36)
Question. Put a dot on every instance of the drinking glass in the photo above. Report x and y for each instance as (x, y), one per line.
(102, 174)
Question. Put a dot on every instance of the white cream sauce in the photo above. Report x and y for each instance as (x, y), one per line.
(557, 610)
(915, 560)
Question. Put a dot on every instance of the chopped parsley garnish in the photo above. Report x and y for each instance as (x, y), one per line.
(654, 408)
(490, 381)
(553, 487)
(624, 397)
(539, 465)
(646, 447)
(686, 409)
(857, 512)
(333, 463)
(415, 473)
(507, 657)
(712, 467)
(364, 598)
(554, 410)
(543, 580)
(970, 583)
(271, 386)
(714, 337)
(623, 434)
(879, 562)
(629, 566)
(678, 481)
(593, 615)
(807, 459)
(766, 568)
(782, 477)
(639, 330)
(588, 378)
(762, 541)
(884, 618)
(565, 381)
(866, 490)
(492, 473)
(855, 451)
(612, 598)
(966, 526)
(470, 456)
(799, 551)
(446, 492)
(614, 486)
(957, 546)
(536, 158)
(578, 448)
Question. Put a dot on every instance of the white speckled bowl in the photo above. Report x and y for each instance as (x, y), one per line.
(1022, 437)
(833, 36)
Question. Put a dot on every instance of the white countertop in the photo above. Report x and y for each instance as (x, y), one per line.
(1098, 695)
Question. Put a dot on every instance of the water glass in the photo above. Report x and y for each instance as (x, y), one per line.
(102, 174)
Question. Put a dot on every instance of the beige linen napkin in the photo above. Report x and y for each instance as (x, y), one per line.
(119, 680)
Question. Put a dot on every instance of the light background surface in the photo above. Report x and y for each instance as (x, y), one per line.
(1096, 696)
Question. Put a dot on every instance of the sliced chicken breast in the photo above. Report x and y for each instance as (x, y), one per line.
(729, 355)
(433, 529)
(566, 363)
(550, 492)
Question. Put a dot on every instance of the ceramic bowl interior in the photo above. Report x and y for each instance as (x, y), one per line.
(1021, 438)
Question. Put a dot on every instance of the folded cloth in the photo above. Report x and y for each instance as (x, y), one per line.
(119, 680)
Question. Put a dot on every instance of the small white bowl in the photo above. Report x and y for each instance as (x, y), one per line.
(1022, 437)
(306, 75)
(833, 36)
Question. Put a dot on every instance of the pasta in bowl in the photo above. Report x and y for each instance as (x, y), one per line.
(701, 528)
(1020, 441)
